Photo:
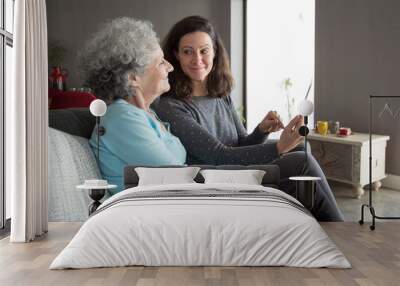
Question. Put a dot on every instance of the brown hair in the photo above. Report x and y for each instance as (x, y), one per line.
(219, 81)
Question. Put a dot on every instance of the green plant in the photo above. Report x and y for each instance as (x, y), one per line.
(56, 53)
(290, 101)
(287, 83)
(240, 112)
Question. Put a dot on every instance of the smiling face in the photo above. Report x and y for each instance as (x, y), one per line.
(154, 81)
(195, 55)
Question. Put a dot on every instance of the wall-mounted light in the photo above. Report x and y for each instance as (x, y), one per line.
(98, 108)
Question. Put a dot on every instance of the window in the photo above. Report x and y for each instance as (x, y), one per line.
(7, 63)
(279, 57)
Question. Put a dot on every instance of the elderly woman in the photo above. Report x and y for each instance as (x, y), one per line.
(125, 66)
(202, 115)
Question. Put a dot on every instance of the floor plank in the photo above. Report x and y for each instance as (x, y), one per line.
(375, 257)
(385, 201)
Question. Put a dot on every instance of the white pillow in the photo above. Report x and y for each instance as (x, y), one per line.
(248, 177)
(166, 176)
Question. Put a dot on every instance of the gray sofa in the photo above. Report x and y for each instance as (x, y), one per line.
(71, 162)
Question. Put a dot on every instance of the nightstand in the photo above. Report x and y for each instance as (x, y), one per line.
(96, 193)
(305, 190)
(346, 159)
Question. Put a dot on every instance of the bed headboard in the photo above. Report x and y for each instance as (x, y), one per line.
(270, 179)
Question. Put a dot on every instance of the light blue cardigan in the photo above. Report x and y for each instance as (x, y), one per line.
(133, 137)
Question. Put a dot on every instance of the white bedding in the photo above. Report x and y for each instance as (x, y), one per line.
(188, 230)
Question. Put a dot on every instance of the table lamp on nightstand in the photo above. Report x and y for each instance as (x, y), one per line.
(97, 188)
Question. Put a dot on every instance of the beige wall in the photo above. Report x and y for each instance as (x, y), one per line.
(71, 21)
(357, 54)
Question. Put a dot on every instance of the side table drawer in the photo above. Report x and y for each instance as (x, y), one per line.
(338, 161)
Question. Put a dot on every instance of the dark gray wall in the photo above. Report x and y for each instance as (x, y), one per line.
(357, 54)
(71, 21)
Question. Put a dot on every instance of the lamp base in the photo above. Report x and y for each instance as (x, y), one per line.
(96, 195)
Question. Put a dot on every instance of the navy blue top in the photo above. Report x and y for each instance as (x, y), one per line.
(212, 132)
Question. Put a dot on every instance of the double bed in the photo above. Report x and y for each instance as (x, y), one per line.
(201, 224)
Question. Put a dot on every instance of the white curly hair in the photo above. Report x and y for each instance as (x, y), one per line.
(122, 46)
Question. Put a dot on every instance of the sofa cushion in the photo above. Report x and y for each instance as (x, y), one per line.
(71, 162)
(75, 121)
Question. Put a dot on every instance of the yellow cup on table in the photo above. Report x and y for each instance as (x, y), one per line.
(322, 127)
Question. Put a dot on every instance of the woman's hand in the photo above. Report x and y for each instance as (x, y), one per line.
(290, 136)
(271, 123)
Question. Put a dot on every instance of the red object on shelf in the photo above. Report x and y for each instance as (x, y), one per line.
(69, 99)
(344, 131)
(58, 78)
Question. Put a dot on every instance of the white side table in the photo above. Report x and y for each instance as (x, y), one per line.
(346, 159)
(96, 193)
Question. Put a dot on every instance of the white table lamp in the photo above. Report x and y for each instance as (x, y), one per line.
(308, 184)
(98, 108)
(97, 188)
(306, 108)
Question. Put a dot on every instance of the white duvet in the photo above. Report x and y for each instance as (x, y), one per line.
(207, 230)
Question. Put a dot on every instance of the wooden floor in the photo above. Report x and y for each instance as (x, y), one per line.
(374, 255)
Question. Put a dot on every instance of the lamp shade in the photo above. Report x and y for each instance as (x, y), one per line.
(306, 107)
(98, 107)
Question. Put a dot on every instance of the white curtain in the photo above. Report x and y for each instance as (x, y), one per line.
(26, 122)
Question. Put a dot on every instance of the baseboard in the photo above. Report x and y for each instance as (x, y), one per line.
(392, 182)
